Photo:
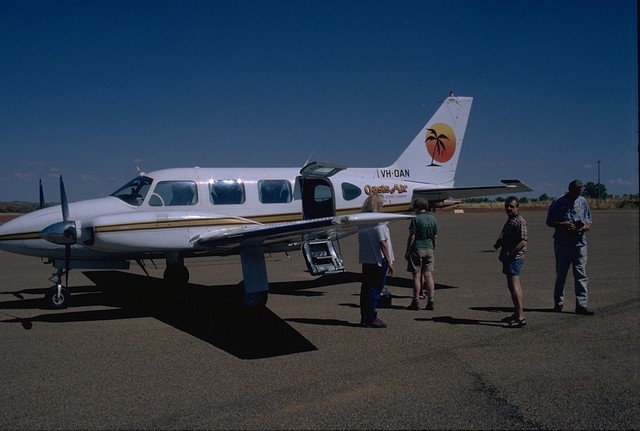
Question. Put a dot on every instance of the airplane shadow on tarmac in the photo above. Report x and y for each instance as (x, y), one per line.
(210, 313)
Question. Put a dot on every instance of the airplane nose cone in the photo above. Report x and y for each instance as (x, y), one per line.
(63, 232)
(11, 235)
(9, 228)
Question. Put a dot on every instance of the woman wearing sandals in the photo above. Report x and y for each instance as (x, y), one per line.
(513, 246)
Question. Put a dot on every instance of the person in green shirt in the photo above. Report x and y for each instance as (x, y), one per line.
(421, 244)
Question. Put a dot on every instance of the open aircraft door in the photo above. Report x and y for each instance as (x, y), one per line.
(318, 200)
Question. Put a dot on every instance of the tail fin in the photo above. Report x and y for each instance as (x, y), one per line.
(432, 156)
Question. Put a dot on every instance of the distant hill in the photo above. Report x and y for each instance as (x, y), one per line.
(19, 207)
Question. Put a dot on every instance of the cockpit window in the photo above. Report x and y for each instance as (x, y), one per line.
(226, 192)
(174, 193)
(134, 191)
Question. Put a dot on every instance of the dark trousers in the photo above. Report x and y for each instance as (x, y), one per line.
(373, 279)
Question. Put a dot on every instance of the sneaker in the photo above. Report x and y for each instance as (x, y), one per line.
(415, 305)
(430, 306)
(584, 311)
(557, 308)
(377, 323)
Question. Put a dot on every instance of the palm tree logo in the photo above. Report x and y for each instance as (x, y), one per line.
(441, 143)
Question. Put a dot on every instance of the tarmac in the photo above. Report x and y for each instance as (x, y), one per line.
(128, 355)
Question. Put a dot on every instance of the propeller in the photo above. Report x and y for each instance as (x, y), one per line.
(64, 232)
(70, 232)
(63, 201)
(42, 204)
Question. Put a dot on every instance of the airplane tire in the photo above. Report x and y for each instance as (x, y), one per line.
(55, 300)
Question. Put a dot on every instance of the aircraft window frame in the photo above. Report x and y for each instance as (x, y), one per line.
(274, 191)
(227, 192)
(350, 191)
(137, 189)
(174, 193)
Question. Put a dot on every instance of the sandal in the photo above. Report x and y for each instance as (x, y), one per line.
(517, 323)
(509, 319)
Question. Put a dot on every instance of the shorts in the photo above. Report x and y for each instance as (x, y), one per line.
(421, 261)
(513, 267)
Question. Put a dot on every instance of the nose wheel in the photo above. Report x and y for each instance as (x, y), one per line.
(57, 297)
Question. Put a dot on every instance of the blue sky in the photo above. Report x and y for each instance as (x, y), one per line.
(92, 89)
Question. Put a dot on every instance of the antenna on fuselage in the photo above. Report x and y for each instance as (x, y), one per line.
(308, 159)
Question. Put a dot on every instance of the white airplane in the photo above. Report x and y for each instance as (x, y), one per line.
(175, 214)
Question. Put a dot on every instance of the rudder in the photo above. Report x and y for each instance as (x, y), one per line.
(432, 156)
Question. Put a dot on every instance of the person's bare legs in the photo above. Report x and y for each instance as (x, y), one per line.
(429, 281)
(417, 284)
(513, 282)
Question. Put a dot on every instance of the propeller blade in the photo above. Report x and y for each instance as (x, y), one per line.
(42, 204)
(63, 201)
(64, 232)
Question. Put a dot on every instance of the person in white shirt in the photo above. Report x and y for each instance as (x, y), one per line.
(376, 257)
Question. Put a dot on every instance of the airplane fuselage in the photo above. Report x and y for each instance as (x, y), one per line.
(155, 220)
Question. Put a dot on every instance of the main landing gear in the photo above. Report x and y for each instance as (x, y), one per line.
(176, 277)
(255, 286)
(256, 300)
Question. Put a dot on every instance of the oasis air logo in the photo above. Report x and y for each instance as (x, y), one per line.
(441, 143)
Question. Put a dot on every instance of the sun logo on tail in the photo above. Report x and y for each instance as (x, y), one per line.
(441, 143)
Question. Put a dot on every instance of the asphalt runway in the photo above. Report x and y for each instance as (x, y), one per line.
(127, 356)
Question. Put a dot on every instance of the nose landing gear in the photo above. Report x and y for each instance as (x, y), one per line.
(58, 296)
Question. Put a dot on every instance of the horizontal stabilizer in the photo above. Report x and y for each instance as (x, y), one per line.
(509, 187)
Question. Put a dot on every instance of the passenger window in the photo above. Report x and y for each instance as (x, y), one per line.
(350, 192)
(174, 193)
(274, 191)
(226, 192)
(322, 193)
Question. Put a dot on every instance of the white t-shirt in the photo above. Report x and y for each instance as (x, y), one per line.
(369, 239)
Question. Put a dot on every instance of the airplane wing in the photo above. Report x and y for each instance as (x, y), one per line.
(510, 187)
(283, 236)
